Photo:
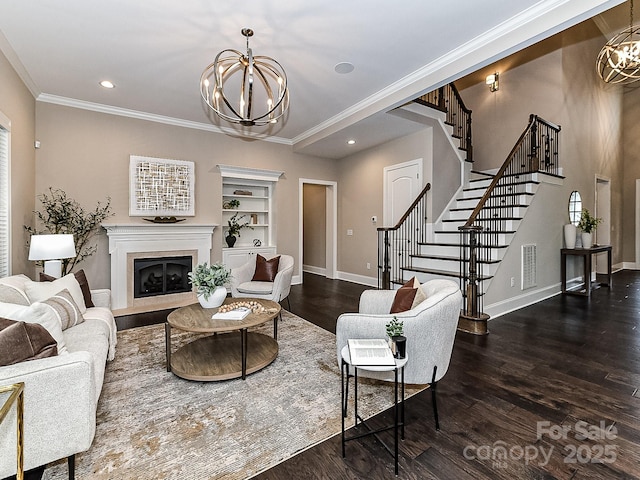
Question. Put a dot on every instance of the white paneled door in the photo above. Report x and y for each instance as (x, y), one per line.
(402, 184)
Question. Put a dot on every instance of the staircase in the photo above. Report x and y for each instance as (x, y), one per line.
(472, 236)
(440, 256)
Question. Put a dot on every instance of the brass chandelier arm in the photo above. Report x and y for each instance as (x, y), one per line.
(619, 60)
(244, 87)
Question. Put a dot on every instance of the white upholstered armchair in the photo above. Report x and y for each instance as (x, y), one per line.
(243, 286)
(430, 328)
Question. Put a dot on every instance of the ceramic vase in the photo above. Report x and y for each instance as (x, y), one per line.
(215, 299)
(570, 234)
(231, 240)
(586, 240)
(400, 343)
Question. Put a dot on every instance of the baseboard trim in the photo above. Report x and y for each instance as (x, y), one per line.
(503, 307)
(316, 270)
(354, 278)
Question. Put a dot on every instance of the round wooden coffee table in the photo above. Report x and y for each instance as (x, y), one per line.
(231, 351)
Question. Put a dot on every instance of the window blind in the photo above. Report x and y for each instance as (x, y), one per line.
(4, 202)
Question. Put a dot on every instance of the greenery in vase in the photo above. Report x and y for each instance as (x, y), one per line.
(207, 277)
(588, 223)
(394, 328)
(63, 215)
(235, 225)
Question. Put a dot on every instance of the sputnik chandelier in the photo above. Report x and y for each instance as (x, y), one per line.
(619, 60)
(245, 89)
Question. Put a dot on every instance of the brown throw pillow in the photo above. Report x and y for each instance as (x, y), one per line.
(403, 299)
(82, 280)
(266, 270)
(420, 295)
(20, 341)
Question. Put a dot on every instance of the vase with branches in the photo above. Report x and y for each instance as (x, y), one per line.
(61, 214)
(234, 225)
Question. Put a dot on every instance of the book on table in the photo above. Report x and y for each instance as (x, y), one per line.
(235, 314)
(370, 352)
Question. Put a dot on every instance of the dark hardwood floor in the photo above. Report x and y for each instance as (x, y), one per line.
(551, 392)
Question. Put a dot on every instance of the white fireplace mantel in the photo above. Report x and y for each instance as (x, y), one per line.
(131, 238)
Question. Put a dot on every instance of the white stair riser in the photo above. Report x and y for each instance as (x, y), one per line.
(471, 203)
(454, 251)
(502, 238)
(505, 225)
(516, 188)
(503, 212)
(452, 266)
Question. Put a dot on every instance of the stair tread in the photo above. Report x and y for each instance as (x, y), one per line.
(496, 196)
(476, 172)
(457, 232)
(501, 185)
(450, 258)
(451, 244)
(479, 219)
(465, 209)
(444, 273)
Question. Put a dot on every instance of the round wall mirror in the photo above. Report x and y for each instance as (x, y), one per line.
(575, 207)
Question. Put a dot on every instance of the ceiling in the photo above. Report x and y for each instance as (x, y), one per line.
(155, 50)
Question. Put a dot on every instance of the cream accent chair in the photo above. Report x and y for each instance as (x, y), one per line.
(277, 291)
(430, 328)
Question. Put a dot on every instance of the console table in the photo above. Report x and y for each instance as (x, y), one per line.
(587, 254)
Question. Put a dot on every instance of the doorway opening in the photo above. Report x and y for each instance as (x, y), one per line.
(603, 211)
(318, 237)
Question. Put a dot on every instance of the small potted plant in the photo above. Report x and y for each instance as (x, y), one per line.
(587, 224)
(398, 342)
(234, 227)
(209, 281)
(233, 203)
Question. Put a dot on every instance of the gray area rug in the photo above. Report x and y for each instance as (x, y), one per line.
(152, 424)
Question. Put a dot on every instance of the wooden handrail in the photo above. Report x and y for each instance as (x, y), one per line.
(459, 99)
(397, 244)
(447, 99)
(533, 121)
(424, 191)
(498, 176)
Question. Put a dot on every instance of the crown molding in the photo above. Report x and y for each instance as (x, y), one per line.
(14, 60)
(502, 40)
(234, 171)
(152, 117)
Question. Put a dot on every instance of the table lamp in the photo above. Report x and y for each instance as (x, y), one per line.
(51, 249)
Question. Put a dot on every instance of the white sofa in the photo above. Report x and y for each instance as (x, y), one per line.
(61, 392)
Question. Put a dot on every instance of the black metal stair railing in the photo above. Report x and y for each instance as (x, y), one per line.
(397, 244)
(535, 151)
(447, 99)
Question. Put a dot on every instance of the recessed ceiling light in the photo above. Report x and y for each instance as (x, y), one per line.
(344, 67)
(351, 142)
(107, 84)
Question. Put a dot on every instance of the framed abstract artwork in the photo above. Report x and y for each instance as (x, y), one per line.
(159, 186)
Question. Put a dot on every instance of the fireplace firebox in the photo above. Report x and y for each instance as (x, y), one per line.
(161, 276)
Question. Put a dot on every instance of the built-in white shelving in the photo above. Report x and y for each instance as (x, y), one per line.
(254, 190)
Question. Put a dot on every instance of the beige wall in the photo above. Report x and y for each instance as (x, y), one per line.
(360, 197)
(631, 143)
(87, 154)
(559, 83)
(17, 103)
(314, 249)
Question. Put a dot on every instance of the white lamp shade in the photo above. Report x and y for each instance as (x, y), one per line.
(51, 247)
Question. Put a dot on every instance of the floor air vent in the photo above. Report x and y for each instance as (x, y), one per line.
(529, 276)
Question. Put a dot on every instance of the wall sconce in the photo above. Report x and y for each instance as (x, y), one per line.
(492, 81)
